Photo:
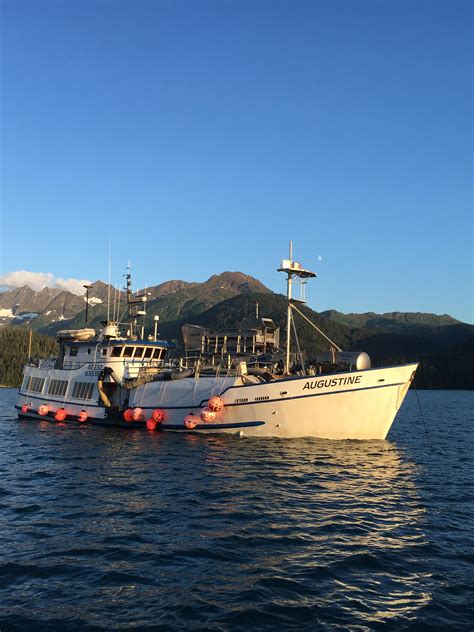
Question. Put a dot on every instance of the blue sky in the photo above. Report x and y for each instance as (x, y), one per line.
(201, 136)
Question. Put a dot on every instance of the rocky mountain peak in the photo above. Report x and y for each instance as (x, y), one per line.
(237, 282)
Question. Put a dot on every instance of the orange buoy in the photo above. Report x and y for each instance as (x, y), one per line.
(208, 415)
(191, 421)
(60, 414)
(138, 414)
(151, 424)
(24, 408)
(215, 404)
(82, 416)
(157, 415)
(43, 410)
(128, 415)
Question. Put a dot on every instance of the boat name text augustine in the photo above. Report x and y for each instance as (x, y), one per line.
(335, 381)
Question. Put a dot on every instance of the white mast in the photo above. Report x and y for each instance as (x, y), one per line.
(292, 268)
(289, 283)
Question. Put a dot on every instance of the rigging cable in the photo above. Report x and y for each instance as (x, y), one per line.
(421, 414)
(317, 328)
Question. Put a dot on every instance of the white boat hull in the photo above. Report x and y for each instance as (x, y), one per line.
(353, 405)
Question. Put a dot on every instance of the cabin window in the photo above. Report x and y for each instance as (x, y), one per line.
(156, 354)
(148, 352)
(34, 384)
(83, 390)
(127, 352)
(73, 351)
(116, 351)
(58, 387)
(104, 352)
(139, 352)
(89, 351)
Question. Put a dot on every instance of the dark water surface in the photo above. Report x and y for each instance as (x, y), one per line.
(114, 529)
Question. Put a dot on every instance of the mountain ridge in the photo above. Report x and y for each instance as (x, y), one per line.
(50, 309)
(395, 319)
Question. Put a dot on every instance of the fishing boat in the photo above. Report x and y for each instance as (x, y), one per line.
(237, 381)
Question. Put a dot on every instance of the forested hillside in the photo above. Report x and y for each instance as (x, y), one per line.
(14, 343)
(445, 351)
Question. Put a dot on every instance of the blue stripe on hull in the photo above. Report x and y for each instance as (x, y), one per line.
(47, 398)
(276, 399)
(118, 422)
(236, 425)
(203, 402)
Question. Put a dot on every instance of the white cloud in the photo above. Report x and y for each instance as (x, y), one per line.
(72, 285)
(38, 280)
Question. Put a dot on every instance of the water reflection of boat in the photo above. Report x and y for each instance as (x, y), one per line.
(234, 383)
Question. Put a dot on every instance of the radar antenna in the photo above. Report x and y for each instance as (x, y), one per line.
(295, 269)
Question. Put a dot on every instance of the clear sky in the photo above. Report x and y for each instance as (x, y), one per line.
(201, 136)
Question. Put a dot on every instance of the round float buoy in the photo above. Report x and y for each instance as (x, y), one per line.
(43, 410)
(157, 415)
(24, 408)
(128, 415)
(208, 415)
(215, 404)
(191, 421)
(138, 414)
(82, 416)
(151, 424)
(60, 414)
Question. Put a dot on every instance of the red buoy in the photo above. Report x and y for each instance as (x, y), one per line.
(43, 410)
(138, 414)
(151, 424)
(158, 415)
(208, 415)
(191, 421)
(60, 414)
(82, 416)
(24, 408)
(215, 404)
(128, 415)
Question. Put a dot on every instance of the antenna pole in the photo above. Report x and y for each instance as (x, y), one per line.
(87, 288)
(29, 345)
(110, 267)
(289, 283)
(293, 268)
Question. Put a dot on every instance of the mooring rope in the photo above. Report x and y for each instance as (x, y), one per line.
(421, 413)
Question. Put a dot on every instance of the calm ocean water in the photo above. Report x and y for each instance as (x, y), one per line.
(107, 529)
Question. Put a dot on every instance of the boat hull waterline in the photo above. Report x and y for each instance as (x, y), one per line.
(357, 405)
